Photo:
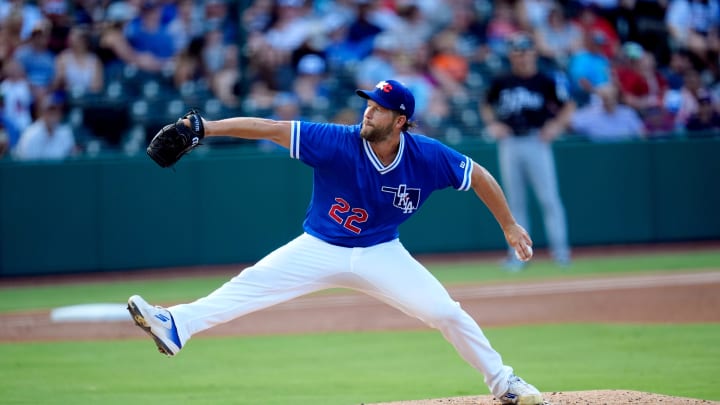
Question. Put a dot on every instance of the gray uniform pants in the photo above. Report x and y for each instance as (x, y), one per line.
(527, 160)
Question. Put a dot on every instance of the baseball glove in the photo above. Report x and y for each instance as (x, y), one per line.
(175, 140)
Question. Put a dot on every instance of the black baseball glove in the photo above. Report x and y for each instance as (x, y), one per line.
(175, 140)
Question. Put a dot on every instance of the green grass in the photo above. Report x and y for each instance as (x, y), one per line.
(352, 368)
(171, 289)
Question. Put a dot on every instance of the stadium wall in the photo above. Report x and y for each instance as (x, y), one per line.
(228, 206)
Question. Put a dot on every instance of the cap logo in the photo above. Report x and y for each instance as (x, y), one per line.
(384, 86)
(402, 107)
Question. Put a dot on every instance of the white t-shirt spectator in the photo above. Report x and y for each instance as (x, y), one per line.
(17, 99)
(38, 143)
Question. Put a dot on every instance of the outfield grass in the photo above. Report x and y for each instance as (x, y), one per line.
(352, 368)
(172, 290)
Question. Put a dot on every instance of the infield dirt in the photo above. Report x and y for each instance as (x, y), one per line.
(676, 297)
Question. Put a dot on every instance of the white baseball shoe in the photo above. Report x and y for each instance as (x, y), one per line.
(521, 393)
(157, 322)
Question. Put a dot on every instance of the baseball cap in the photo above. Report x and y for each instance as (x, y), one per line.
(633, 50)
(311, 64)
(520, 42)
(392, 95)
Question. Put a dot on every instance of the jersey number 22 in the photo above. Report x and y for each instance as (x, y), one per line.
(342, 207)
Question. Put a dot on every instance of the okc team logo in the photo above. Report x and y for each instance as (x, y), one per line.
(407, 199)
(384, 86)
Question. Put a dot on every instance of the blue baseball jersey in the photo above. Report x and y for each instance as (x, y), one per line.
(356, 200)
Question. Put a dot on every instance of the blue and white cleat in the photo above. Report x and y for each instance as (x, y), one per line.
(157, 322)
(521, 393)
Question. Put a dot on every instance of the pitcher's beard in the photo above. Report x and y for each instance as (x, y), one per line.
(375, 134)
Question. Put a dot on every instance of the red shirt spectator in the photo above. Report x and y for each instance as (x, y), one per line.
(590, 21)
(641, 84)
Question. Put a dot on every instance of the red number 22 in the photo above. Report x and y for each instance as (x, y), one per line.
(358, 216)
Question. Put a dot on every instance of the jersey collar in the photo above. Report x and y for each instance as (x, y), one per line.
(377, 163)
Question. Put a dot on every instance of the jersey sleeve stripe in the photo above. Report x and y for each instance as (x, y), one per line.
(295, 140)
(467, 176)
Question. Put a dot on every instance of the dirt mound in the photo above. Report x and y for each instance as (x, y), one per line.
(602, 397)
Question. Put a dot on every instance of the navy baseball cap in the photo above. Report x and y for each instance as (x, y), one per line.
(392, 95)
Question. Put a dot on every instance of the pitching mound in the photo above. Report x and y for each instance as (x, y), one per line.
(604, 397)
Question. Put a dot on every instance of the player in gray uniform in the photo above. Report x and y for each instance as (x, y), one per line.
(525, 111)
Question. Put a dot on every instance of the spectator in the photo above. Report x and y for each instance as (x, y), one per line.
(693, 24)
(186, 25)
(215, 51)
(78, 70)
(218, 16)
(608, 121)
(413, 27)
(438, 116)
(189, 64)
(335, 13)
(340, 52)
(590, 23)
(88, 12)
(681, 61)
(378, 65)
(641, 85)
(534, 13)
(310, 83)
(113, 48)
(149, 38)
(259, 99)
(362, 31)
(38, 62)
(269, 53)
(59, 23)
(17, 101)
(408, 71)
(687, 98)
(589, 68)
(502, 25)
(286, 107)
(258, 16)
(448, 67)
(47, 137)
(706, 120)
(10, 36)
(291, 28)
(4, 138)
(659, 122)
(472, 41)
(643, 22)
(525, 111)
(224, 82)
(346, 116)
(24, 12)
(559, 38)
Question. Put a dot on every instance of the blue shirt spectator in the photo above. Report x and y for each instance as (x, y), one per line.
(147, 33)
(589, 68)
(37, 61)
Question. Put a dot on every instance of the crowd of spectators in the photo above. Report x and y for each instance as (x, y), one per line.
(117, 69)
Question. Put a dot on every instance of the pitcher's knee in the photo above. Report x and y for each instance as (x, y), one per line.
(442, 316)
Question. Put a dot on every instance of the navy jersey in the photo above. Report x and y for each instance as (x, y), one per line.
(356, 200)
(524, 104)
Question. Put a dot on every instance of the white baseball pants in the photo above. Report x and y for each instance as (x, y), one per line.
(386, 271)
